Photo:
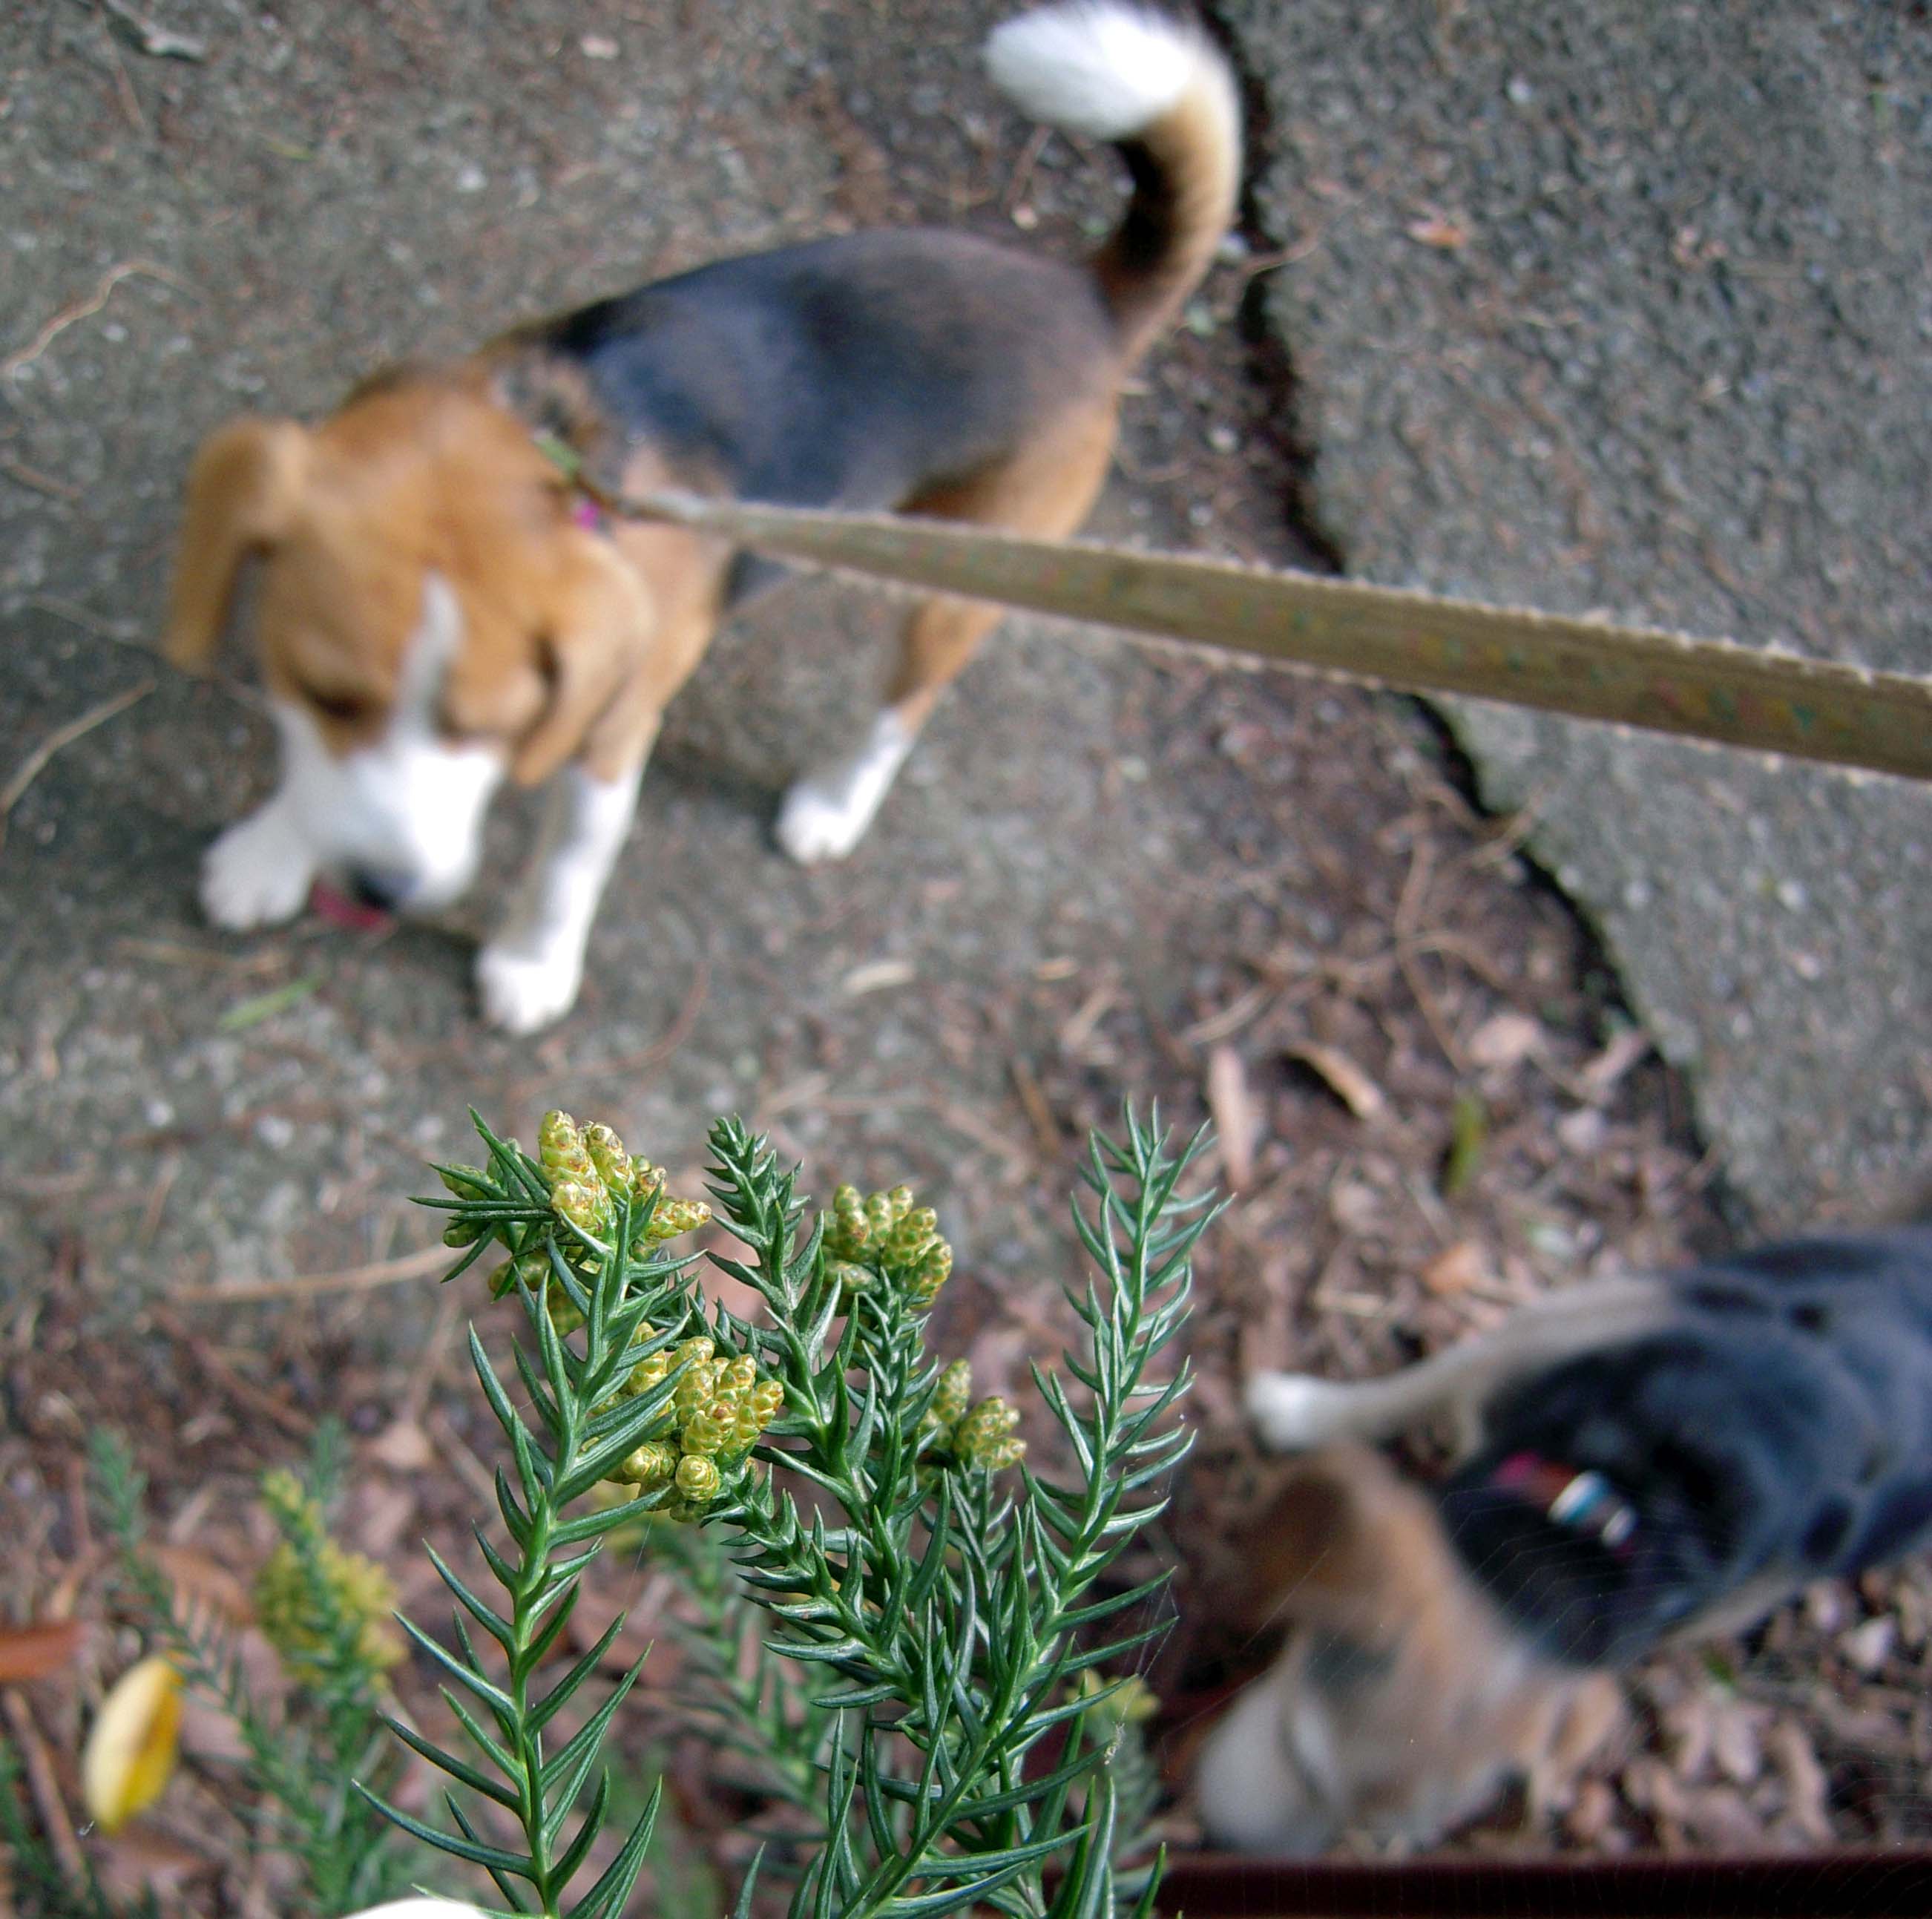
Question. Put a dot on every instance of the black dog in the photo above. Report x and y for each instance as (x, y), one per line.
(1638, 1460)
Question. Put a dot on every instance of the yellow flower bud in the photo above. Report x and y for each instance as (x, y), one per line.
(707, 1431)
(698, 1479)
(647, 1373)
(558, 1139)
(955, 1393)
(608, 1154)
(983, 1437)
(582, 1204)
(130, 1751)
(650, 1466)
(671, 1217)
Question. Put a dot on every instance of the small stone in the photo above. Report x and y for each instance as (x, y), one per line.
(1869, 1646)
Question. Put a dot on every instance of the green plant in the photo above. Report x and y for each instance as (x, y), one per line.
(941, 1614)
(325, 1612)
(33, 1884)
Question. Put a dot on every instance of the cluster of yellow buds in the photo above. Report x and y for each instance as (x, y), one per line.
(981, 1435)
(285, 1603)
(588, 1170)
(887, 1230)
(718, 1410)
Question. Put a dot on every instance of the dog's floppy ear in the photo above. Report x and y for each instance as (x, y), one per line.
(242, 493)
(1316, 1528)
(596, 619)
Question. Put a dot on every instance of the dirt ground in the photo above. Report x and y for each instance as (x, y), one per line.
(1258, 900)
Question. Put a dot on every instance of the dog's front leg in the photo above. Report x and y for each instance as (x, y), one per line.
(259, 872)
(528, 974)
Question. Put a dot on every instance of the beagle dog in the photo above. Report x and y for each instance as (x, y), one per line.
(1639, 1461)
(439, 606)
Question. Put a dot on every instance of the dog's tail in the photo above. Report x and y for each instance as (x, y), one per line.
(1161, 92)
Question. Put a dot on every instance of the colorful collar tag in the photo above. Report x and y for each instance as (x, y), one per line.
(1583, 1502)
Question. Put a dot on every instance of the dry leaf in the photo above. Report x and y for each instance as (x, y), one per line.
(204, 1587)
(1343, 1078)
(1581, 1131)
(1355, 1206)
(1236, 1122)
(1688, 1733)
(142, 1863)
(876, 975)
(1439, 230)
(1592, 1814)
(1735, 1743)
(130, 1755)
(1462, 1266)
(1869, 1646)
(33, 1651)
(1505, 1041)
(1807, 1789)
(1721, 1819)
(383, 1514)
(1599, 1078)
(403, 1447)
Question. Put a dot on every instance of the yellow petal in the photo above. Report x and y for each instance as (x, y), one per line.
(130, 1753)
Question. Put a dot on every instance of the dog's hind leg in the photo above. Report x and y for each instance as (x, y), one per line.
(1045, 490)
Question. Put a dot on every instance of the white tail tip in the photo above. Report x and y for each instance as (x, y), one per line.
(1107, 69)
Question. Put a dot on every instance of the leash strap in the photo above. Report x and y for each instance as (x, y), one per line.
(1762, 700)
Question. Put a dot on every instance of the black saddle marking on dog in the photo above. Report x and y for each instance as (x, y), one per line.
(1778, 1426)
(853, 372)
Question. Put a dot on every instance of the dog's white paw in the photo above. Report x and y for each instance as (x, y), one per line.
(827, 810)
(1294, 1411)
(522, 991)
(257, 874)
(818, 823)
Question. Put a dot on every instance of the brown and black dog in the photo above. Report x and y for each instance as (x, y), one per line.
(1639, 1461)
(438, 608)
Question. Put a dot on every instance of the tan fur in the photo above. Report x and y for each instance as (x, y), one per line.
(1205, 170)
(1444, 1703)
(426, 471)
(241, 495)
(1047, 491)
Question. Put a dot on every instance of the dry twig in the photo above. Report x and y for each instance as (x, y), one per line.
(44, 1788)
(14, 363)
(350, 1279)
(30, 768)
(162, 42)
